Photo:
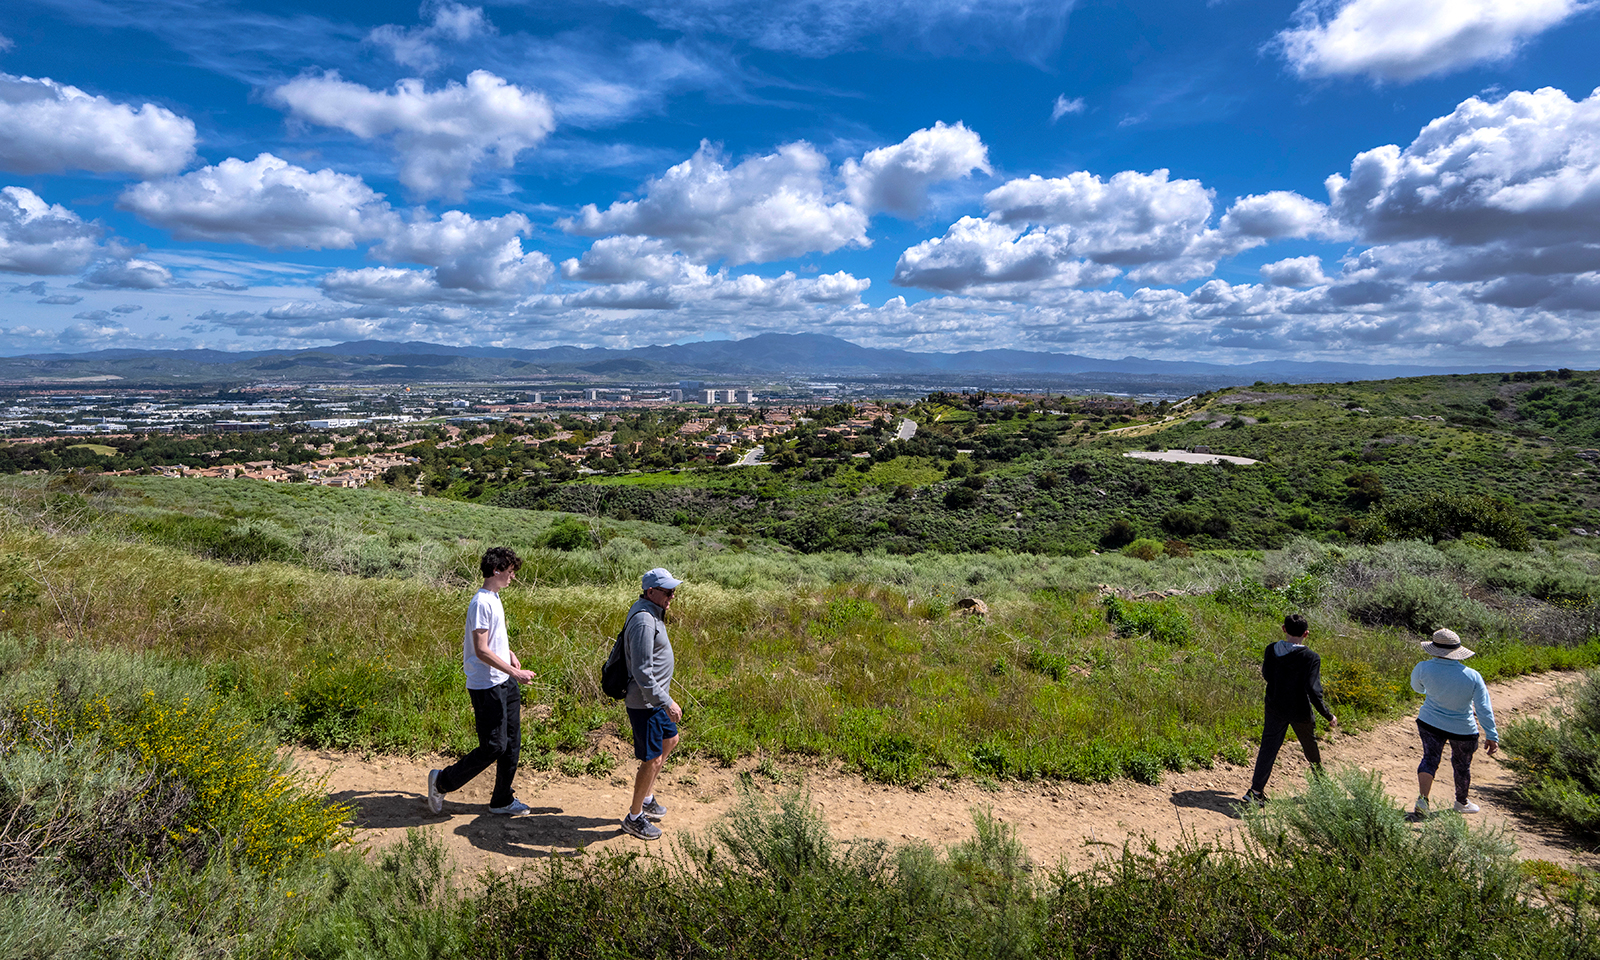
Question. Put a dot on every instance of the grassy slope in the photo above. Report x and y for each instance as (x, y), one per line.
(857, 657)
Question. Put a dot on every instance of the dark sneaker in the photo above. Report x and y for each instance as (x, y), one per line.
(435, 798)
(640, 827)
(515, 808)
(1253, 798)
(653, 810)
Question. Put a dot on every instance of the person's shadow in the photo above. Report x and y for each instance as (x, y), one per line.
(542, 832)
(546, 832)
(1217, 801)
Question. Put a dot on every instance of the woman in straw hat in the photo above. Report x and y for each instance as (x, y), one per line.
(1455, 702)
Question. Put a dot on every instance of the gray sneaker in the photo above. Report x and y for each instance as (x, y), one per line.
(640, 827)
(1421, 808)
(435, 798)
(653, 810)
(515, 808)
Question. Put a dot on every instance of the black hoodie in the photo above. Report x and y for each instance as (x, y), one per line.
(1294, 680)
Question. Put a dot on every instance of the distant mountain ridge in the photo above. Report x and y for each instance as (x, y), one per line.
(768, 355)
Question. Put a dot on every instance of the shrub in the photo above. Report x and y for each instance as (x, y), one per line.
(1182, 521)
(182, 765)
(1421, 605)
(1119, 534)
(1143, 549)
(960, 498)
(569, 533)
(1559, 762)
(1160, 620)
(1450, 516)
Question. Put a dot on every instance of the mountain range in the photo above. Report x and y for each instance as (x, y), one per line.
(768, 357)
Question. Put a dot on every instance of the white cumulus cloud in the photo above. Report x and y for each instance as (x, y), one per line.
(418, 47)
(42, 238)
(1076, 231)
(441, 136)
(1527, 166)
(267, 202)
(1294, 272)
(1277, 215)
(51, 127)
(767, 208)
(470, 254)
(897, 179)
(468, 261)
(1403, 40)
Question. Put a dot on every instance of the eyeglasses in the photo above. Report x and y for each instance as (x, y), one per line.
(665, 590)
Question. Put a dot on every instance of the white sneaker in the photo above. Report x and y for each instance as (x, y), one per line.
(1422, 807)
(435, 798)
(515, 808)
(1468, 807)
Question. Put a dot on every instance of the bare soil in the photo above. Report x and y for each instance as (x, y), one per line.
(1058, 822)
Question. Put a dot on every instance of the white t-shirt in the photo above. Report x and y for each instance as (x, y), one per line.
(485, 613)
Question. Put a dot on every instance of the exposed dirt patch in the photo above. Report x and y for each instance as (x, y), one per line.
(1075, 823)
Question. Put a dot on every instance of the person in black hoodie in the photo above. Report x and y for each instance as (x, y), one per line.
(1294, 685)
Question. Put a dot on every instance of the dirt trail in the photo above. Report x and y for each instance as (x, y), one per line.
(1057, 821)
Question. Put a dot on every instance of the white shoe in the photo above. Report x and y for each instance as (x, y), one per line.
(1421, 808)
(515, 808)
(435, 798)
(1468, 807)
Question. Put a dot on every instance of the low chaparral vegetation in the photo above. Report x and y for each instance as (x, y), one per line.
(860, 658)
(160, 638)
(769, 880)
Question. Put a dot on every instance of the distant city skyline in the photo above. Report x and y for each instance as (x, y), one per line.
(1370, 181)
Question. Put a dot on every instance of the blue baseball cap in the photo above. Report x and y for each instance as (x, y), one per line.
(659, 577)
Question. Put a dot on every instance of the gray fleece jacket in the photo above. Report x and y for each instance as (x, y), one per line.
(649, 656)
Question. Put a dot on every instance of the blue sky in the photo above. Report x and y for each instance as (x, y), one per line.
(1372, 180)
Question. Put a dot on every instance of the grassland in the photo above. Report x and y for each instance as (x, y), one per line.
(351, 638)
(256, 614)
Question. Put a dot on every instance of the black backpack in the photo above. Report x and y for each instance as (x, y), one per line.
(614, 676)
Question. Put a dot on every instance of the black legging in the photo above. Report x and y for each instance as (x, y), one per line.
(1462, 747)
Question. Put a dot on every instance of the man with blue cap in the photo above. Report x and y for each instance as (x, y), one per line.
(652, 712)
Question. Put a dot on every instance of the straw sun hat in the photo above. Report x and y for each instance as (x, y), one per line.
(1446, 645)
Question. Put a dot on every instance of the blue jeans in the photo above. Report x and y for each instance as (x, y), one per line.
(498, 715)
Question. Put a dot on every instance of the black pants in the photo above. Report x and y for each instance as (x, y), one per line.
(498, 712)
(1462, 747)
(1272, 730)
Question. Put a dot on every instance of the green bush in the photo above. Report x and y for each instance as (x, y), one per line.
(1160, 620)
(1449, 516)
(567, 534)
(1421, 605)
(148, 760)
(1144, 549)
(1559, 762)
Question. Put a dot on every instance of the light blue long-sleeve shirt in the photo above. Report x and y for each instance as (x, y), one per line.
(1453, 692)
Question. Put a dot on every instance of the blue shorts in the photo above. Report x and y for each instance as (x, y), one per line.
(651, 726)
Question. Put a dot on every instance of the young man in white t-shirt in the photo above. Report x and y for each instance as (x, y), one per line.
(493, 678)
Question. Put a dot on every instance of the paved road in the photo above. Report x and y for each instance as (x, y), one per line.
(908, 429)
(752, 458)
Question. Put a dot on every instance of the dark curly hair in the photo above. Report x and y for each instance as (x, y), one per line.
(498, 559)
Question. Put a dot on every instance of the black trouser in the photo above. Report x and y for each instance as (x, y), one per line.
(1462, 747)
(498, 712)
(1272, 730)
